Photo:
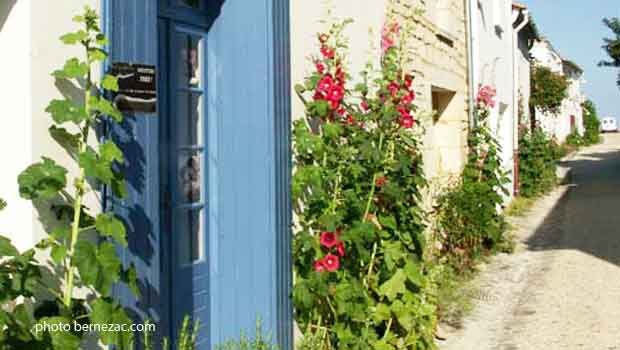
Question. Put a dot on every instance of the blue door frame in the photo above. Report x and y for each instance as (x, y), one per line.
(248, 161)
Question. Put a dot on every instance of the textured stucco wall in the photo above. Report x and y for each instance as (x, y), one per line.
(439, 50)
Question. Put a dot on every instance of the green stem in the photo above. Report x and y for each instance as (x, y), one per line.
(77, 204)
(371, 195)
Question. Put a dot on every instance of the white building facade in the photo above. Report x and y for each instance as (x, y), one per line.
(570, 116)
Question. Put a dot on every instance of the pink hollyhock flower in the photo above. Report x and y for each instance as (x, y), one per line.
(380, 181)
(406, 122)
(394, 88)
(340, 248)
(320, 67)
(331, 262)
(318, 266)
(486, 96)
(336, 93)
(327, 52)
(328, 239)
(325, 84)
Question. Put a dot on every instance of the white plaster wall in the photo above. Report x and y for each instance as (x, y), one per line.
(31, 50)
(306, 17)
(495, 68)
(15, 133)
(50, 20)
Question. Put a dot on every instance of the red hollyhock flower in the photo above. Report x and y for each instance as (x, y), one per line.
(327, 52)
(406, 122)
(380, 181)
(404, 112)
(318, 96)
(336, 93)
(331, 262)
(408, 81)
(323, 38)
(340, 248)
(325, 84)
(340, 74)
(341, 111)
(408, 98)
(334, 104)
(320, 67)
(318, 266)
(328, 239)
(350, 120)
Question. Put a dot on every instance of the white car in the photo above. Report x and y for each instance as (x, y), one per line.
(609, 124)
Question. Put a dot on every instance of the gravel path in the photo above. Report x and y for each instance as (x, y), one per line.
(561, 289)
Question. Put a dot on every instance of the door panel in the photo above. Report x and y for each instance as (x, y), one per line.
(187, 177)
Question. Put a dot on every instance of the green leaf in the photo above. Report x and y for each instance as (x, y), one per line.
(58, 253)
(109, 152)
(75, 37)
(393, 286)
(414, 274)
(72, 69)
(108, 312)
(63, 111)
(110, 226)
(42, 180)
(96, 55)
(61, 234)
(104, 107)
(109, 265)
(85, 259)
(110, 82)
(6, 248)
(61, 339)
(95, 167)
(130, 278)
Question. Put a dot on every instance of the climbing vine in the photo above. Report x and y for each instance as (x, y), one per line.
(358, 249)
(548, 89)
(81, 245)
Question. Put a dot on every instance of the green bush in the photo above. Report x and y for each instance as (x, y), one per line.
(470, 222)
(537, 163)
(591, 123)
(549, 89)
(574, 139)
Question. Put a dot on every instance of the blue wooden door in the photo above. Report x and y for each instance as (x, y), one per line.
(184, 146)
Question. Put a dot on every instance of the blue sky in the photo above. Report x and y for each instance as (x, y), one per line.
(575, 29)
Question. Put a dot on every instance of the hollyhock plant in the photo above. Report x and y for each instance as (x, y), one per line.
(352, 138)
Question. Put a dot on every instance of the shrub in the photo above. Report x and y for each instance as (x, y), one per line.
(574, 139)
(359, 278)
(537, 163)
(591, 123)
(469, 218)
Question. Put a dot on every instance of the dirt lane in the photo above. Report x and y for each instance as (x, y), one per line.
(561, 289)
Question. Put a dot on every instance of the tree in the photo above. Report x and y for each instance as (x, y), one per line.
(612, 45)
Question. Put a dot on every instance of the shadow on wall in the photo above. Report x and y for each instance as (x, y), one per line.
(5, 10)
(586, 218)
